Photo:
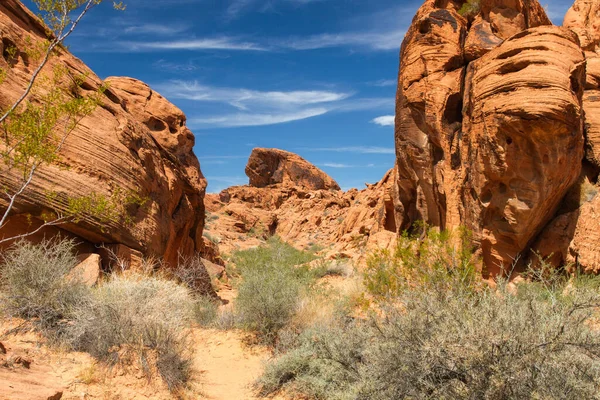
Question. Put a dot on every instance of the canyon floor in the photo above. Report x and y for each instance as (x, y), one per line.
(225, 364)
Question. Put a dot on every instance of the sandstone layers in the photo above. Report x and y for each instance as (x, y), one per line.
(135, 142)
(494, 115)
(273, 166)
(301, 212)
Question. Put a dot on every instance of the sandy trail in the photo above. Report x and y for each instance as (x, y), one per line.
(227, 366)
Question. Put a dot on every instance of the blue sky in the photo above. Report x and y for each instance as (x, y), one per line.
(315, 77)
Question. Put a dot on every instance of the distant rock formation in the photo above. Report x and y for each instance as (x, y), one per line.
(136, 141)
(492, 120)
(278, 167)
(345, 223)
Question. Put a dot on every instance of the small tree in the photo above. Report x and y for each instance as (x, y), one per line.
(35, 127)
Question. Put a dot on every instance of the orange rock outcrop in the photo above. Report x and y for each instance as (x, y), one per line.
(268, 167)
(345, 223)
(135, 142)
(494, 114)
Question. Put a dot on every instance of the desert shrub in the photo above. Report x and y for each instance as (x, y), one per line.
(271, 283)
(470, 8)
(205, 311)
(267, 300)
(322, 363)
(34, 283)
(274, 252)
(441, 336)
(488, 345)
(141, 319)
(443, 259)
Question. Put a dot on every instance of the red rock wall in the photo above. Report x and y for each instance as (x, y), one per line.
(135, 141)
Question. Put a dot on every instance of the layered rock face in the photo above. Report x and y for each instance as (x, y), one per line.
(135, 142)
(273, 166)
(490, 122)
(571, 239)
(348, 224)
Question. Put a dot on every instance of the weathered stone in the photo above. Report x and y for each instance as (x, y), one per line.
(272, 166)
(88, 270)
(134, 142)
(472, 148)
(519, 157)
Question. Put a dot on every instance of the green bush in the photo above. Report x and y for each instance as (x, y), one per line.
(34, 283)
(440, 259)
(139, 318)
(470, 8)
(439, 335)
(271, 283)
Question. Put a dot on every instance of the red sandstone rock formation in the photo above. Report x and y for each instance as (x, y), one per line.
(272, 166)
(571, 239)
(135, 141)
(490, 122)
(347, 224)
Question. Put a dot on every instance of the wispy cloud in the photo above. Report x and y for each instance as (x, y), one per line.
(385, 120)
(336, 165)
(155, 29)
(354, 149)
(264, 107)
(384, 83)
(342, 165)
(243, 99)
(170, 66)
(247, 119)
(218, 43)
(374, 40)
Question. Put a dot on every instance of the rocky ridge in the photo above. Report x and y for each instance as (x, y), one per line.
(134, 142)
(347, 224)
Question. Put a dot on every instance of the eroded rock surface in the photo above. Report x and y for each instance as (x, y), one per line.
(489, 122)
(134, 142)
(348, 224)
(273, 166)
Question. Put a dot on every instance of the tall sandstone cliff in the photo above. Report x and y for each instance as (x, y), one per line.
(135, 141)
(497, 126)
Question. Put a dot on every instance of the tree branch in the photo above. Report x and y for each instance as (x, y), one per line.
(58, 40)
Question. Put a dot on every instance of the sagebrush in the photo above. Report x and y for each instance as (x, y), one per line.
(272, 280)
(436, 333)
(34, 283)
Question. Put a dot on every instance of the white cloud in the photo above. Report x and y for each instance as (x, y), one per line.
(264, 107)
(354, 149)
(336, 165)
(247, 119)
(385, 120)
(154, 29)
(243, 99)
(374, 40)
(385, 82)
(220, 43)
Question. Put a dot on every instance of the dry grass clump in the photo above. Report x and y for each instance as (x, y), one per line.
(34, 284)
(126, 320)
(142, 315)
(438, 334)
